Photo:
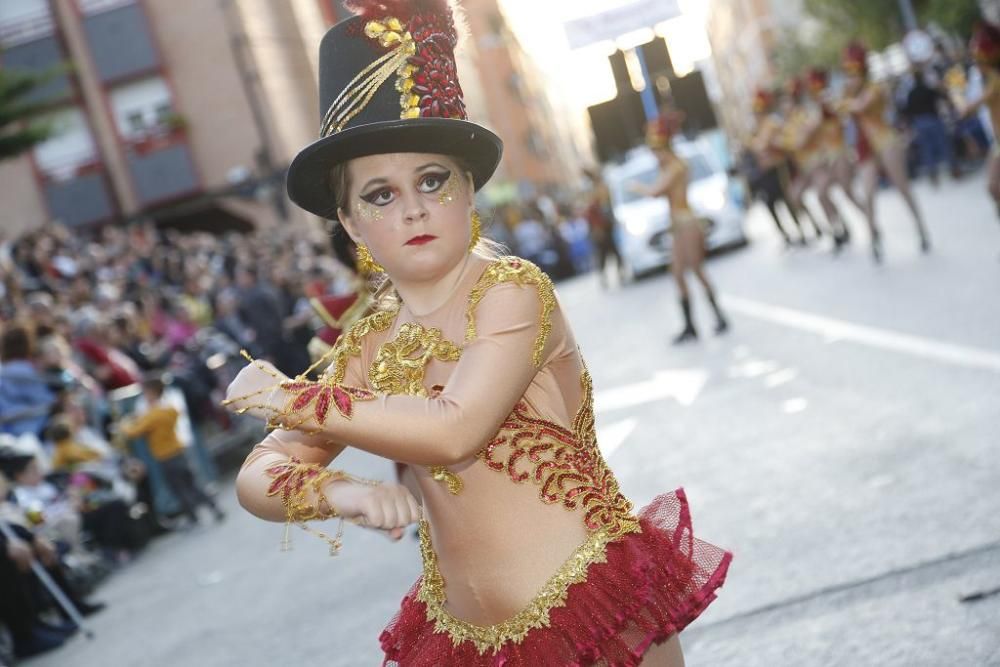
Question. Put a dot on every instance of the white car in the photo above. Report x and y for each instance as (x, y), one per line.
(644, 222)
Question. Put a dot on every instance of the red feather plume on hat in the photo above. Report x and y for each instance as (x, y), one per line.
(400, 9)
(441, 21)
(985, 43)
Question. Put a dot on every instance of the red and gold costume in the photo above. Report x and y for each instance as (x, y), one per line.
(659, 135)
(799, 135)
(338, 313)
(831, 129)
(875, 134)
(985, 48)
(766, 137)
(567, 572)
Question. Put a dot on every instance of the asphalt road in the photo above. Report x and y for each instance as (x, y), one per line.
(842, 440)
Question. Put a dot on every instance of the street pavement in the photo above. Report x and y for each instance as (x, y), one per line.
(842, 441)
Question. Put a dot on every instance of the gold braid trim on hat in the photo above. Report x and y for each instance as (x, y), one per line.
(391, 34)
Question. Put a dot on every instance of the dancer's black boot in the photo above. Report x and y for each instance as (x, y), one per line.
(689, 332)
(721, 324)
(877, 248)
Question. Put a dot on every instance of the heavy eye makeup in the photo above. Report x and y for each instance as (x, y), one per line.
(433, 181)
(428, 183)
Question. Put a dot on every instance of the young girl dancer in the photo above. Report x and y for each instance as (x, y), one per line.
(687, 229)
(532, 555)
(882, 148)
(985, 48)
(773, 172)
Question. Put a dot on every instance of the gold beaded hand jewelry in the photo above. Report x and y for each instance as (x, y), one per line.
(292, 480)
(303, 393)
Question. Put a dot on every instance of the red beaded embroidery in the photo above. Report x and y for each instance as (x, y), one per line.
(436, 81)
(568, 467)
(322, 395)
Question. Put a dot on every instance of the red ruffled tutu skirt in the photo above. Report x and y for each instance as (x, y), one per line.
(651, 586)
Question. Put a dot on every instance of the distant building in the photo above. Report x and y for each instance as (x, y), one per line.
(169, 106)
(743, 35)
(506, 92)
(180, 110)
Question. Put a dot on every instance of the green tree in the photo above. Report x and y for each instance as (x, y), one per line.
(792, 55)
(954, 16)
(877, 23)
(20, 130)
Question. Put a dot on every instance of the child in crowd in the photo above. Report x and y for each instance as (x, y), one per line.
(158, 426)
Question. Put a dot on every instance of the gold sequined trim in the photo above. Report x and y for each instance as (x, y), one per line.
(401, 363)
(392, 35)
(567, 466)
(520, 272)
(535, 615)
(400, 366)
(349, 344)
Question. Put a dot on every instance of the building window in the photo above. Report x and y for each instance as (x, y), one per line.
(70, 147)
(142, 108)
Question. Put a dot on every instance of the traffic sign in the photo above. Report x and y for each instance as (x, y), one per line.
(612, 24)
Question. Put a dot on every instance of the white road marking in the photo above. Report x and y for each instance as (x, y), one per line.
(839, 330)
(794, 405)
(683, 385)
(753, 368)
(613, 436)
(781, 377)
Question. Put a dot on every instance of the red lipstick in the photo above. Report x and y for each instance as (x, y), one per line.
(420, 240)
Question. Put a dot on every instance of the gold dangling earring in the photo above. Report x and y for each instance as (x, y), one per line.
(477, 230)
(366, 263)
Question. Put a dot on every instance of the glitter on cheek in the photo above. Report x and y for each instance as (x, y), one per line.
(446, 194)
(368, 211)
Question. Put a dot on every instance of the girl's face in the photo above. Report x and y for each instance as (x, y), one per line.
(412, 210)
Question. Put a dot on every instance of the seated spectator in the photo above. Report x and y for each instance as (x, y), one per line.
(23, 601)
(54, 516)
(69, 453)
(86, 503)
(25, 398)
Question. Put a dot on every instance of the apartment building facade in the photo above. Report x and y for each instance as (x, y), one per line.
(186, 111)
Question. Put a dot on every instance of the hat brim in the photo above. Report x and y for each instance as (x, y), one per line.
(308, 179)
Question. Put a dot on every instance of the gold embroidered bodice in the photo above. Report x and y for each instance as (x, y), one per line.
(565, 463)
(400, 364)
(562, 461)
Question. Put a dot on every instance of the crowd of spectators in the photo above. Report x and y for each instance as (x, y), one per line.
(89, 327)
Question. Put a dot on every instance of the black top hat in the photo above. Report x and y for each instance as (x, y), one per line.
(388, 84)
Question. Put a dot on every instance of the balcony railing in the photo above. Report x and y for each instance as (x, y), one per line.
(80, 196)
(25, 28)
(162, 167)
(88, 7)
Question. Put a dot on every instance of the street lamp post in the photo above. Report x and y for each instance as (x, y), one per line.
(909, 16)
